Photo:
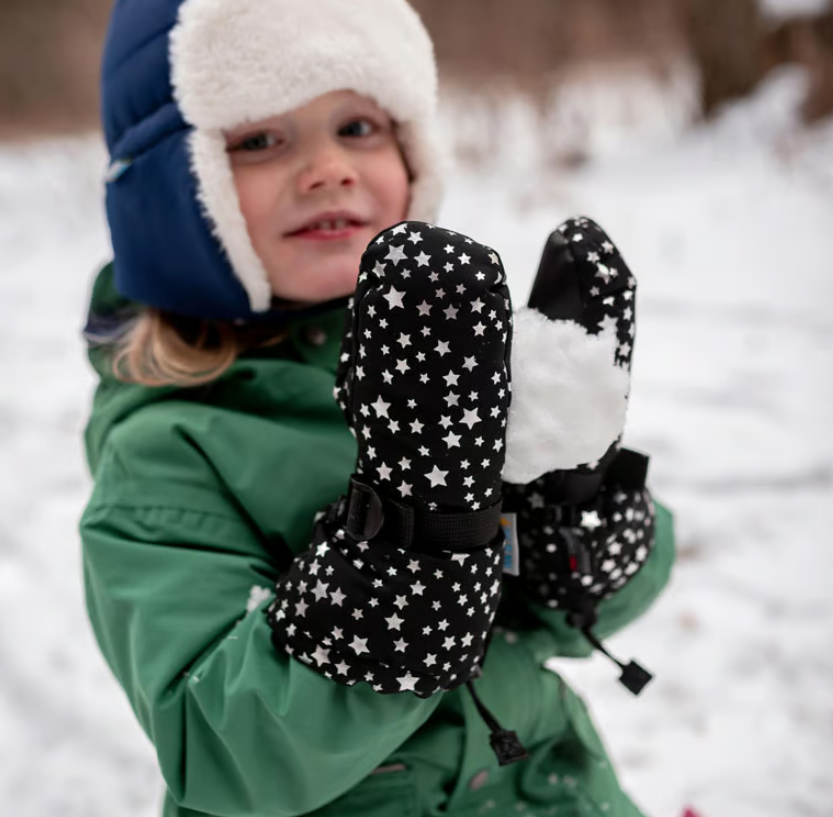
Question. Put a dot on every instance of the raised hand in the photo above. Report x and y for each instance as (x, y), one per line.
(585, 531)
(402, 580)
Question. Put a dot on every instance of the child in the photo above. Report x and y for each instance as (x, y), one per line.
(289, 652)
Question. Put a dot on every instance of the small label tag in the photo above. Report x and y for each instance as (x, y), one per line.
(511, 552)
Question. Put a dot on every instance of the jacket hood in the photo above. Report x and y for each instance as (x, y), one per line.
(177, 73)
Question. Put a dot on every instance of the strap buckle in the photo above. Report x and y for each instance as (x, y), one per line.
(365, 514)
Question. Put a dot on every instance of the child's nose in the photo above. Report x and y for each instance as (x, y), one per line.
(326, 167)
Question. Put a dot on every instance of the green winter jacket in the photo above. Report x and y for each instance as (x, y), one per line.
(201, 499)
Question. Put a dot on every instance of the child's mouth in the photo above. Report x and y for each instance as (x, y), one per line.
(329, 229)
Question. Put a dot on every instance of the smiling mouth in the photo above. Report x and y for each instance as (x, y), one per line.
(335, 227)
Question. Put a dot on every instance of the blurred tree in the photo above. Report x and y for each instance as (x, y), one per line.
(735, 47)
(726, 40)
(49, 54)
(49, 49)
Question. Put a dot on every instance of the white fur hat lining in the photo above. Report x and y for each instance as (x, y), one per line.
(237, 61)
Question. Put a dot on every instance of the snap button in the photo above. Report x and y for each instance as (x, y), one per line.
(479, 780)
(316, 336)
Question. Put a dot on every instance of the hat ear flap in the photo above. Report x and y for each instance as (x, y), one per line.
(217, 194)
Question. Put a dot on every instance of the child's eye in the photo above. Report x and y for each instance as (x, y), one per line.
(258, 142)
(357, 128)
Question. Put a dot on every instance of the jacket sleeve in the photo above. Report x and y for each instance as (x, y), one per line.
(239, 728)
(625, 605)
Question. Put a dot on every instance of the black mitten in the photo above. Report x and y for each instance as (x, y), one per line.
(584, 531)
(402, 580)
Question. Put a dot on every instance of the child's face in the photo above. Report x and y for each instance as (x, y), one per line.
(315, 186)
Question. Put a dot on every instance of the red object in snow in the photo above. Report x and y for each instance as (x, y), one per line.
(690, 813)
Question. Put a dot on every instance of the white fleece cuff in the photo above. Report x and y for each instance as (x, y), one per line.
(569, 398)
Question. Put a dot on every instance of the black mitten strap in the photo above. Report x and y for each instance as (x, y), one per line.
(369, 516)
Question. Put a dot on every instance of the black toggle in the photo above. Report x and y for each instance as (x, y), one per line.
(507, 747)
(505, 744)
(634, 677)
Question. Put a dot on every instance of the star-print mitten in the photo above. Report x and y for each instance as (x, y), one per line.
(401, 583)
(585, 531)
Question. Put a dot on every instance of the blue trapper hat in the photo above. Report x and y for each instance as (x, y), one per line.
(165, 253)
(166, 67)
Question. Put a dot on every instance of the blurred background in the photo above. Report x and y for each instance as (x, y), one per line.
(699, 133)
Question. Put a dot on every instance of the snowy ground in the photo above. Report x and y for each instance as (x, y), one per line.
(729, 231)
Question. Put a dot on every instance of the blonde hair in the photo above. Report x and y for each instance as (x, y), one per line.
(158, 349)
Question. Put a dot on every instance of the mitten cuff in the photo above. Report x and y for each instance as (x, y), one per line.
(586, 553)
(396, 619)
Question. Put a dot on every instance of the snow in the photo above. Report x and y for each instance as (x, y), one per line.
(784, 9)
(727, 228)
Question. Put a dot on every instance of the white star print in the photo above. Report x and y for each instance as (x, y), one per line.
(437, 477)
(380, 407)
(452, 440)
(394, 622)
(322, 656)
(442, 349)
(407, 683)
(604, 273)
(470, 417)
(396, 254)
(395, 298)
(422, 259)
(590, 520)
(359, 645)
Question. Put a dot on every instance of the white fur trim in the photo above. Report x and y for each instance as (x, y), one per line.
(218, 196)
(569, 398)
(247, 60)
